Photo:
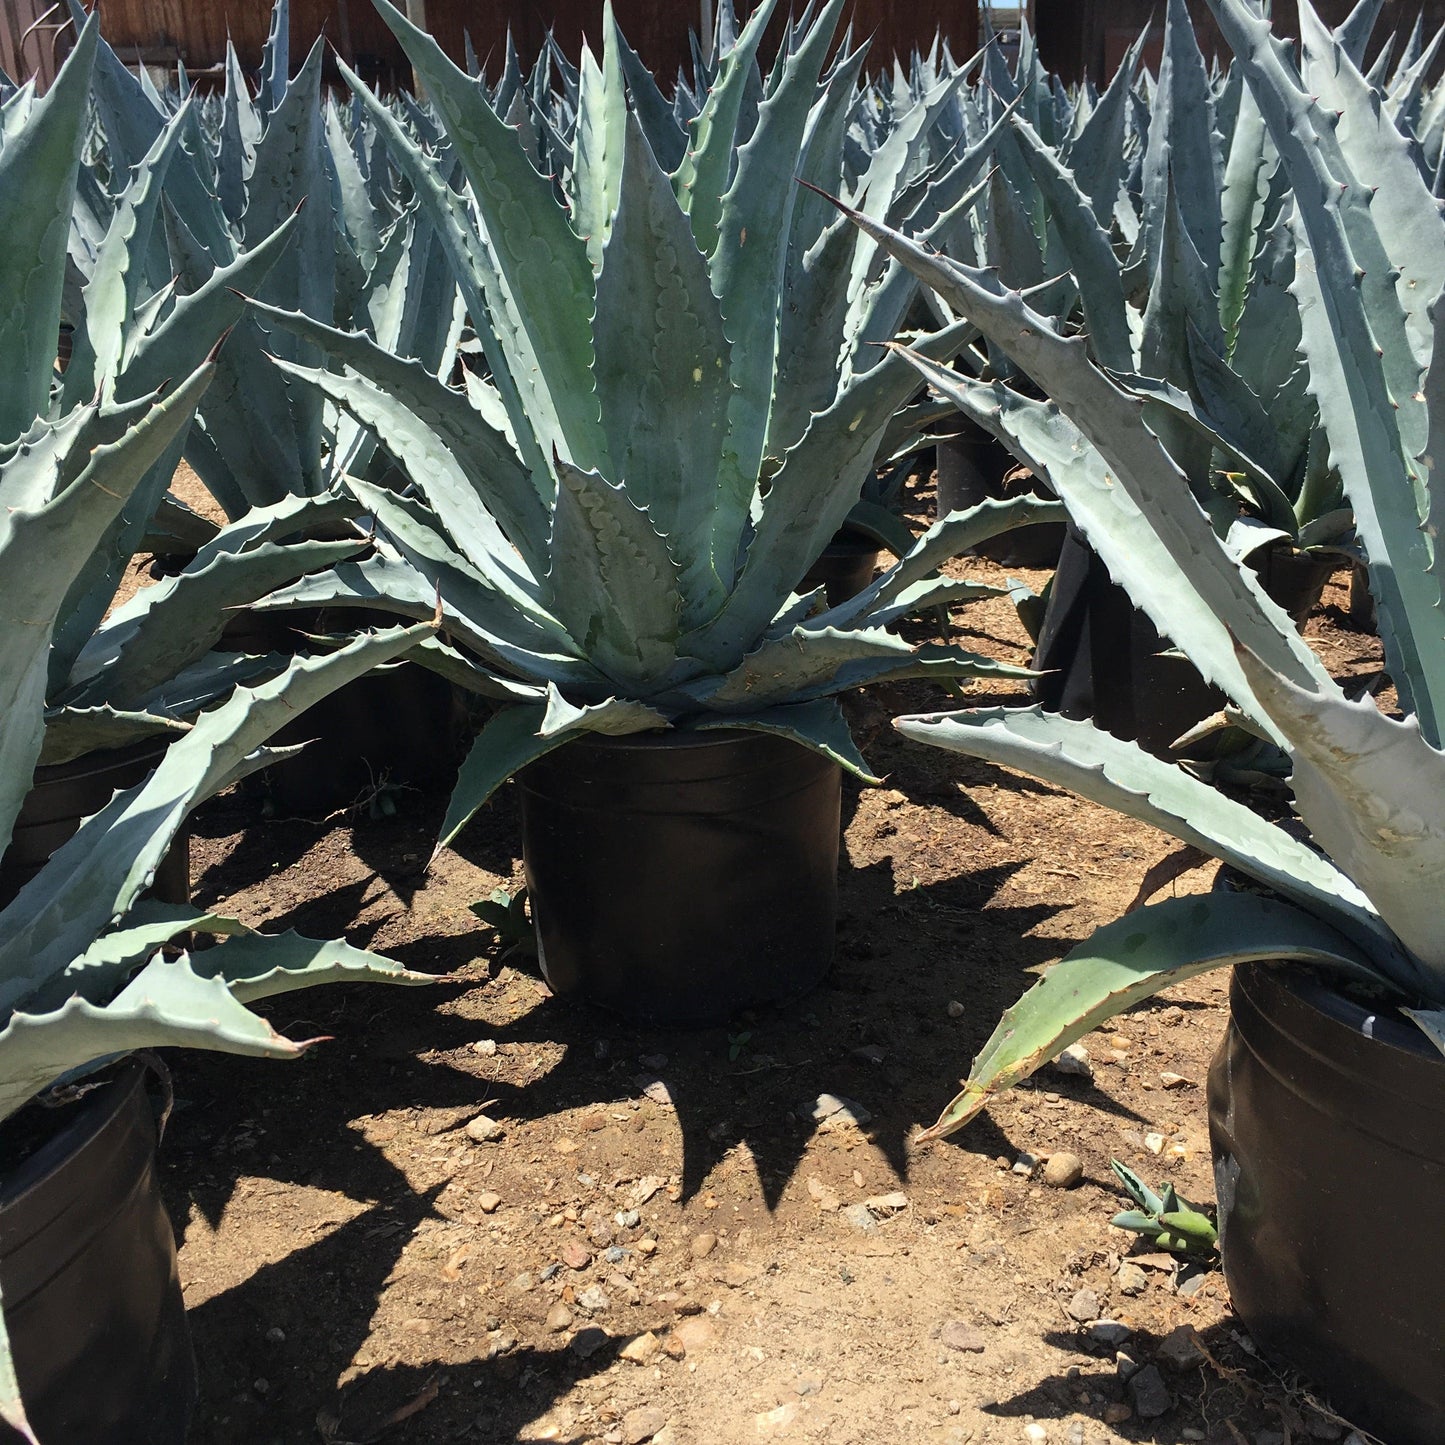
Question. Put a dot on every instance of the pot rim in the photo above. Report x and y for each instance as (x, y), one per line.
(1380, 1024)
(72, 1136)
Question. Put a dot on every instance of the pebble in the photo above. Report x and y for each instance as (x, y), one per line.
(956, 1335)
(484, 1129)
(1131, 1279)
(955, 1009)
(559, 1318)
(549, 1270)
(575, 1255)
(806, 1385)
(833, 1111)
(1172, 1015)
(489, 1203)
(1025, 1164)
(860, 1217)
(1063, 1170)
(276, 1335)
(1109, 1332)
(889, 1203)
(586, 1342)
(1127, 1364)
(1154, 1143)
(647, 1246)
(694, 1333)
(485, 1047)
(1190, 1433)
(1190, 1285)
(773, 1423)
(595, 1300)
(825, 1198)
(1075, 1061)
(659, 1093)
(703, 1244)
(627, 1218)
(1180, 1348)
(642, 1424)
(643, 1350)
(1175, 1081)
(1084, 1306)
(615, 1255)
(1116, 1413)
(1149, 1394)
(1035, 1433)
(523, 1282)
(1076, 1432)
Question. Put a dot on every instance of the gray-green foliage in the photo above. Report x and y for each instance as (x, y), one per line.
(681, 406)
(115, 675)
(1362, 898)
(360, 255)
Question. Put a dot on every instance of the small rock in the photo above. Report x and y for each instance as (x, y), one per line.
(659, 1093)
(595, 1300)
(643, 1350)
(1025, 1164)
(1317, 1427)
(889, 1203)
(559, 1318)
(645, 1188)
(1172, 1016)
(548, 1271)
(736, 1273)
(666, 1436)
(565, 1145)
(832, 1111)
(1191, 1284)
(773, 1423)
(586, 1342)
(955, 1009)
(1063, 1170)
(825, 1198)
(1180, 1348)
(1127, 1363)
(484, 1130)
(1131, 1279)
(1036, 1434)
(1075, 1435)
(703, 1244)
(1116, 1413)
(1084, 1306)
(485, 1047)
(523, 1282)
(694, 1333)
(627, 1218)
(1175, 1081)
(615, 1255)
(869, 1053)
(1154, 1143)
(276, 1335)
(489, 1203)
(1149, 1394)
(1109, 1332)
(860, 1217)
(956, 1335)
(1190, 1433)
(806, 1385)
(574, 1254)
(1075, 1061)
(647, 1246)
(640, 1425)
(1355, 1438)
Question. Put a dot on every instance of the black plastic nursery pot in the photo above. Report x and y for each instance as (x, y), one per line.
(973, 467)
(679, 877)
(1328, 1127)
(398, 726)
(62, 795)
(845, 568)
(1104, 660)
(88, 1269)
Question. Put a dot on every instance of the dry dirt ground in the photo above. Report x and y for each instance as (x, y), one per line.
(661, 1242)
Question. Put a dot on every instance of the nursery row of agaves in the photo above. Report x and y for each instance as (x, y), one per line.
(578, 379)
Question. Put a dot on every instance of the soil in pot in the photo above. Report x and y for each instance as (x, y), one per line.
(681, 877)
(845, 568)
(88, 1265)
(1327, 1121)
(974, 467)
(401, 726)
(62, 795)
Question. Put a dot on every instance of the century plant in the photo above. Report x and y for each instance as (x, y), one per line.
(359, 255)
(680, 410)
(1361, 896)
(118, 674)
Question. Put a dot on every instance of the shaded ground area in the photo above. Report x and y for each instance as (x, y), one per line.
(661, 1242)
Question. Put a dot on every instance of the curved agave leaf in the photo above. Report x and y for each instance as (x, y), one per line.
(819, 725)
(1131, 960)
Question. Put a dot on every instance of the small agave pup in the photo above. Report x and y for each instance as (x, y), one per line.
(615, 520)
(1360, 902)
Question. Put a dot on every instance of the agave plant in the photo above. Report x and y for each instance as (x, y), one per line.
(359, 254)
(115, 675)
(1359, 897)
(680, 412)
